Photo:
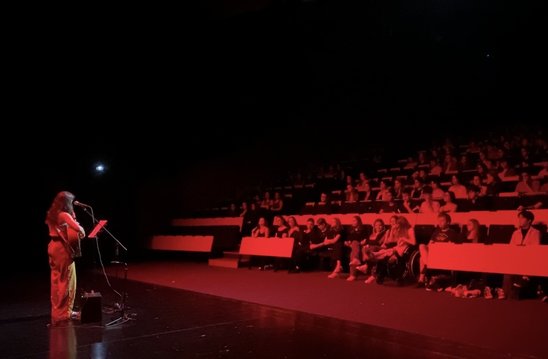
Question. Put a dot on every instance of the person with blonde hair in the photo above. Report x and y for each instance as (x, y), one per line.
(403, 235)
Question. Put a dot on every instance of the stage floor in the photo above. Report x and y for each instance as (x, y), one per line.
(232, 313)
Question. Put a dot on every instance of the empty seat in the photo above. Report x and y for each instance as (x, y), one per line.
(500, 233)
(309, 208)
(368, 229)
(543, 232)
(506, 201)
(455, 227)
(337, 195)
(322, 208)
(350, 207)
(541, 227)
(366, 207)
(530, 199)
(423, 233)
(508, 186)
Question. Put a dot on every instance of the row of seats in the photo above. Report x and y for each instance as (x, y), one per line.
(301, 196)
(488, 203)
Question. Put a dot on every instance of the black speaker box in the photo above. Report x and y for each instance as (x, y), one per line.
(92, 308)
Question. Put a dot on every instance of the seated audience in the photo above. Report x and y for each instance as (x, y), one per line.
(525, 184)
(401, 237)
(435, 168)
(506, 170)
(458, 189)
(351, 194)
(525, 235)
(300, 246)
(334, 242)
(356, 234)
(473, 231)
(369, 246)
(261, 230)
(389, 205)
(442, 233)
(428, 205)
(437, 192)
(474, 202)
(277, 203)
(383, 192)
(449, 206)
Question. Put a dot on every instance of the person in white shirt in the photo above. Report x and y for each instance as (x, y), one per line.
(525, 235)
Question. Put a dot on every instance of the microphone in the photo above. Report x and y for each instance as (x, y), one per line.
(80, 204)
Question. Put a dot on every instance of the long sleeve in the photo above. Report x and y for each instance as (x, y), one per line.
(516, 238)
(64, 217)
(533, 237)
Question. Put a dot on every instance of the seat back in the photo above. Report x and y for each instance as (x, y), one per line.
(500, 233)
(423, 233)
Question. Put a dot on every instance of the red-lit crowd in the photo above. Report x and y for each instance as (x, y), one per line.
(393, 251)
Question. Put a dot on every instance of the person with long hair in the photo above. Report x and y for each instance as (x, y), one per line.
(397, 241)
(262, 229)
(370, 246)
(473, 231)
(334, 241)
(63, 271)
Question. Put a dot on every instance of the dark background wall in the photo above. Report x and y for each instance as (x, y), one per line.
(165, 98)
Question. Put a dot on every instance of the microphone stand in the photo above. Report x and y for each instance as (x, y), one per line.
(121, 306)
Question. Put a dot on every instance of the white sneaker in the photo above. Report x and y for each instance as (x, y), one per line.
(474, 293)
(75, 315)
(458, 291)
(500, 293)
(370, 280)
(487, 293)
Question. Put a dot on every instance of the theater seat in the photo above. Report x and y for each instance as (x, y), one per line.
(423, 233)
(500, 233)
(543, 232)
(506, 201)
(349, 207)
